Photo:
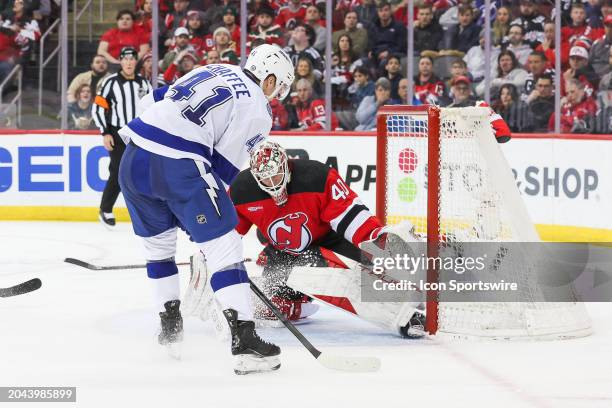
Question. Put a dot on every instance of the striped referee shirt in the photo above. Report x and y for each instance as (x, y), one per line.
(115, 105)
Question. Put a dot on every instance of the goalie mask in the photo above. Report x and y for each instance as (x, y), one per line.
(270, 168)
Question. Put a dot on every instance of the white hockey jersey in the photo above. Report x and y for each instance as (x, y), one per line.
(215, 114)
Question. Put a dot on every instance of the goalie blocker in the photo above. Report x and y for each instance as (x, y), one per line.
(307, 217)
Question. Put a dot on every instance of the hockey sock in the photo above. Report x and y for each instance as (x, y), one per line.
(231, 287)
(164, 276)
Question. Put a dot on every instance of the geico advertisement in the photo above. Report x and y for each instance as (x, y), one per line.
(52, 170)
(563, 182)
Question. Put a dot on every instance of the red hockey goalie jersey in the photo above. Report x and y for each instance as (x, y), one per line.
(319, 202)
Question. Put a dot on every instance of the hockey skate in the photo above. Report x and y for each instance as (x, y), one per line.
(253, 355)
(415, 329)
(107, 219)
(171, 334)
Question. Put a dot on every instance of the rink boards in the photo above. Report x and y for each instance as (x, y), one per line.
(564, 180)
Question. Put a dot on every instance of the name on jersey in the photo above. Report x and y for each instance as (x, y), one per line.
(254, 141)
(233, 78)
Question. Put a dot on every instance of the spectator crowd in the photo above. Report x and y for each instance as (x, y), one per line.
(369, 58)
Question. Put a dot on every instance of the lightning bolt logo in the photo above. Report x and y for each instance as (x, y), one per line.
(212, 188)
(212, 191)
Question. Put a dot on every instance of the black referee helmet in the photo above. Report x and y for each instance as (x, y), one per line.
(127, 52)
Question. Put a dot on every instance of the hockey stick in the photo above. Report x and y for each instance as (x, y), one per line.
(93, 267)
(354, 364)
(20, 289)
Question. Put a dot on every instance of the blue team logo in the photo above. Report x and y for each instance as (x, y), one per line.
(254, 141)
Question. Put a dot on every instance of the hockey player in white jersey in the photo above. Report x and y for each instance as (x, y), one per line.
(186, 148)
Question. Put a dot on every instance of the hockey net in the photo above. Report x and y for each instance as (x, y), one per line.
(442, 170)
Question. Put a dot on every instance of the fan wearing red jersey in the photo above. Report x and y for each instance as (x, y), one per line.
(291, 14)
(311, 111)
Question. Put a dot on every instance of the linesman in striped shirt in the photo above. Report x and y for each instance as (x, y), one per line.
(113, 108)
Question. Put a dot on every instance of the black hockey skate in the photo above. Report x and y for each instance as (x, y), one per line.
(253, 354)
(107, 219)
(415, 329)
(171, 334)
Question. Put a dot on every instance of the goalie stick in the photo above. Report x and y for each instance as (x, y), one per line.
(354, 364)
(20, 289)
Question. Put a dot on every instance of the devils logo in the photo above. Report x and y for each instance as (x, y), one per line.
(290, 233)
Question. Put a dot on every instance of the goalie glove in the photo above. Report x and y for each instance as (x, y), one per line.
(293, 309)
(405, 230)
(390, 242)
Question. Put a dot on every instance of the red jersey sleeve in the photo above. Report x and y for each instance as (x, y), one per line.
(317, 111)
(108, 36)
(345, 212)
(499, 125)
(244, 224)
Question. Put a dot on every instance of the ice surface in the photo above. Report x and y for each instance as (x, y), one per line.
(95, 330)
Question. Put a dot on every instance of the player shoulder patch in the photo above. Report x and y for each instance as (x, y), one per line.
(254, 141)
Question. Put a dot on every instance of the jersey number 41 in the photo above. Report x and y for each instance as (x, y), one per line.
(183, 91)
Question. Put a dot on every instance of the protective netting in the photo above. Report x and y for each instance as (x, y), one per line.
(477, 202)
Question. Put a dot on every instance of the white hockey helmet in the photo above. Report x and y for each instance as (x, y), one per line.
(268, 59)
(270, 168)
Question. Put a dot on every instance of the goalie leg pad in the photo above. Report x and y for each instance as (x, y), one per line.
(342, 288)
(199, 298)
(199, 294)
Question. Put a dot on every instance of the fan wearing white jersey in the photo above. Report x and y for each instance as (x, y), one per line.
(185, 148)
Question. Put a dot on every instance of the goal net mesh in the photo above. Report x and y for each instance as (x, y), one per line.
(477, 201)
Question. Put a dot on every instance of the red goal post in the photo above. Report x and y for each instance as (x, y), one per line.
(433, 175)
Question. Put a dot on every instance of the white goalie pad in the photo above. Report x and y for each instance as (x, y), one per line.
(343, 286)
(199, 300)
(199, 294)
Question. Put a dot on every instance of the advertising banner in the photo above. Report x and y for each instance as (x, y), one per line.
(564, 182)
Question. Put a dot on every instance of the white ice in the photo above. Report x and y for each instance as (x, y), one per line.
(95, 330)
